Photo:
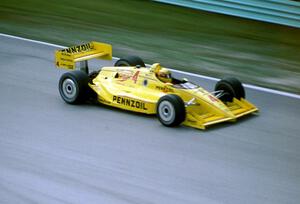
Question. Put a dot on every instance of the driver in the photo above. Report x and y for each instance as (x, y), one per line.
(164, 75)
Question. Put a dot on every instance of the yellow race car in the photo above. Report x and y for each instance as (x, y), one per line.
(132, 86)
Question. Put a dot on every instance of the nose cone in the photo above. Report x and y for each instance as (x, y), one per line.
(218, 105)
(205, 109)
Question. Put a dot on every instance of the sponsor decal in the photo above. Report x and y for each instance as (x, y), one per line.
(68, 66)
(124, 75)
(164, 89)
(66, 60)
(129, 102)
(213, 99)
(78, 48)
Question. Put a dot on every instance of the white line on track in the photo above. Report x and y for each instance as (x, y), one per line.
(267, 90)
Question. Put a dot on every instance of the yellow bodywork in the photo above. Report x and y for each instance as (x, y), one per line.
(138, 89)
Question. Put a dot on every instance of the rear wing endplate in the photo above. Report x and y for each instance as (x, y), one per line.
(68, 57)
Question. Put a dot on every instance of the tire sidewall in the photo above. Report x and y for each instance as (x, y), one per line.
(166, 111)
(170, 110)
(232, 87)
(79, 81)
(66, 98)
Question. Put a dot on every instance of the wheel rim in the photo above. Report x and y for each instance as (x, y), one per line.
(69, 88)
(166, 112)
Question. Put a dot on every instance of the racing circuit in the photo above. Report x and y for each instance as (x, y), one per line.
(51, 152)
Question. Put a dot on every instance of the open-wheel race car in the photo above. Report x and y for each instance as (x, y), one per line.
(133, 86)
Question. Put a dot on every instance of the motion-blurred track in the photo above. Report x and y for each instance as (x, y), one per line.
(51, 152)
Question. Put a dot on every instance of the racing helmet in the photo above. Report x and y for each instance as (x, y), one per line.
(164, 75)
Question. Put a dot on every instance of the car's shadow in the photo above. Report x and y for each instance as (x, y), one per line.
(225, 125)
(211, 128)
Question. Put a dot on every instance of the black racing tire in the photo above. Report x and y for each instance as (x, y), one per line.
(232, 88)
(73, 87)
(91, 94)
(93, 75)
(170, 110)
(130, 61)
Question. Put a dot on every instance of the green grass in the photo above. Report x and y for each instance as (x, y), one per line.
(215, 45)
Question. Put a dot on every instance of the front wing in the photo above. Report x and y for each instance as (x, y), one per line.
(236, 108)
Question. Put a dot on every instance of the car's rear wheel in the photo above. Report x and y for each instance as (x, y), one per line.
(130, 61)
(171, 110)
(230, 88)
(73, 87)
(93, 75)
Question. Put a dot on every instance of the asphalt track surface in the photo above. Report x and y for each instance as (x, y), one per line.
(51, 152)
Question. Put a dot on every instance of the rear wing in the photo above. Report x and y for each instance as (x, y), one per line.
(68, 57)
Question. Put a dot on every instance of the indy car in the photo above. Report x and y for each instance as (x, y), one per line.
(133, 86)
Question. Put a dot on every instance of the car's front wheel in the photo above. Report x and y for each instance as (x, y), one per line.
(171, 110)
(230, 88)
(73, 87)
